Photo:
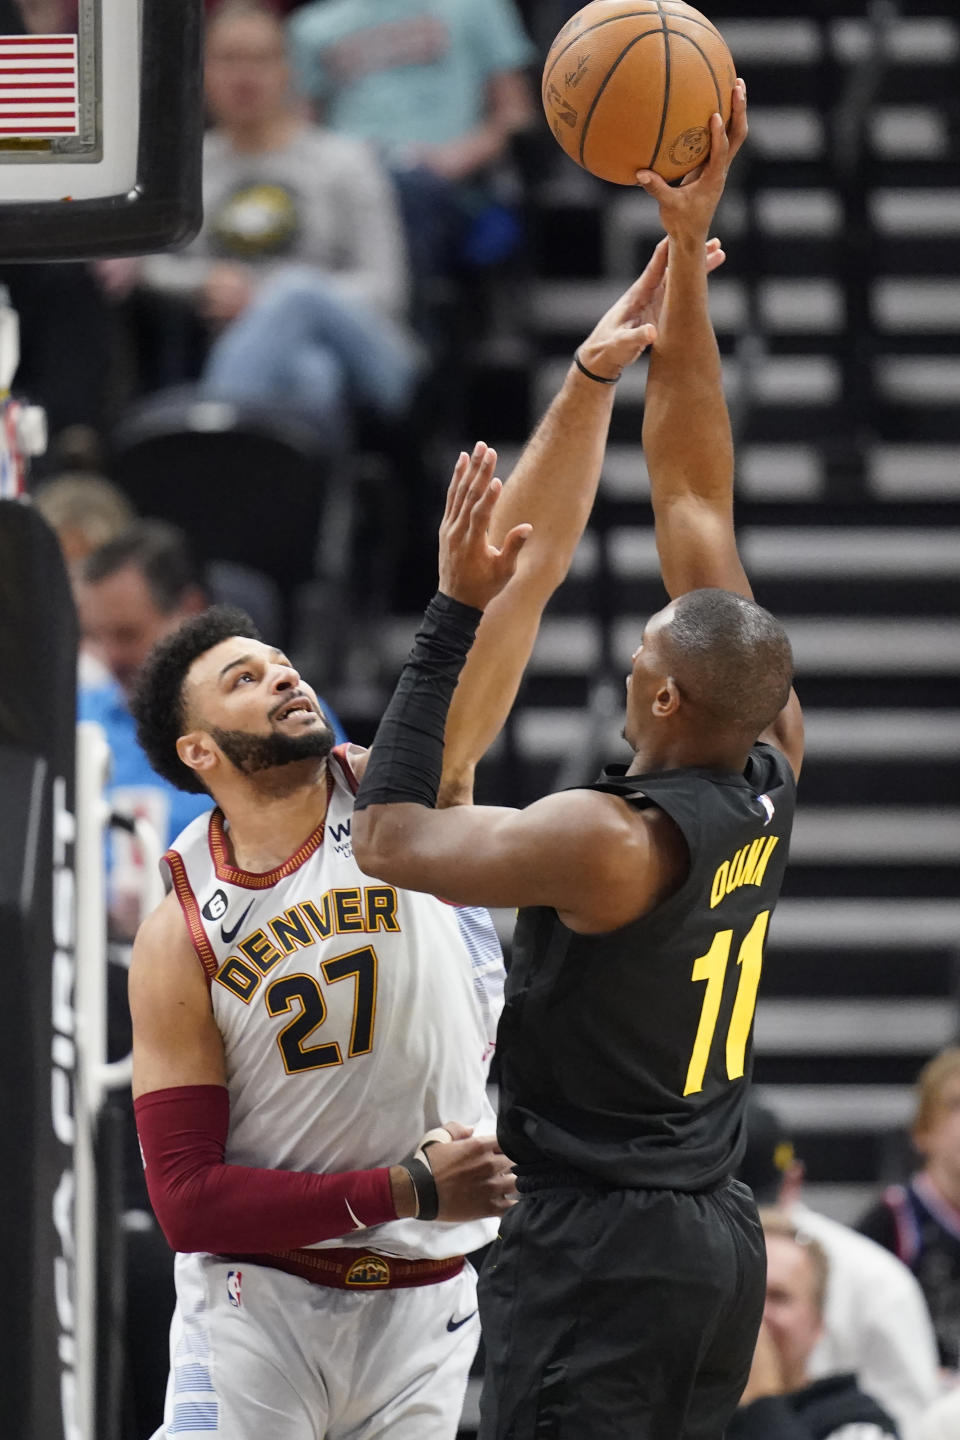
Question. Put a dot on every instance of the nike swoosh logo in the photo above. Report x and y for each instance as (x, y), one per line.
(357, 1222)
(228, 936)
(455, 1324)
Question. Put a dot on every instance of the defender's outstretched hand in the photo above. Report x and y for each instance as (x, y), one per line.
(471, 569)
(629, 327)
(687, 209)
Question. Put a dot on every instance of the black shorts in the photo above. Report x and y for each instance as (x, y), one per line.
(620, 1314)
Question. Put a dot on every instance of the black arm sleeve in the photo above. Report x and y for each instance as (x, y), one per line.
(406, 758)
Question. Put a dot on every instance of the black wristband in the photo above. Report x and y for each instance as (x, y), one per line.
(600, 379)
(406, 758)
(424, 1186)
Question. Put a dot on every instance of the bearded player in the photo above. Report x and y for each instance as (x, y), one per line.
(301, 1034)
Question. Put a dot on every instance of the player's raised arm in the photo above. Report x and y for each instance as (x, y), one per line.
(575, 852)
(553, 488)
(686, 431)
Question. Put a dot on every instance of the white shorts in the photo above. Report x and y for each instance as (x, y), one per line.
(255, 1352)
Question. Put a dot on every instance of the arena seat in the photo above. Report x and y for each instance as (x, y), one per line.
(250, 484)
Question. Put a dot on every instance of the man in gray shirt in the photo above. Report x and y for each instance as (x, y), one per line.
(299, 269)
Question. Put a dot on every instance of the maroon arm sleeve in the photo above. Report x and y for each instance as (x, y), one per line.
(204, 1204)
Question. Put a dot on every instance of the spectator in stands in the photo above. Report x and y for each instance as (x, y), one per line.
(781, 1401)
(920, 1221)
(875, 1319)
(84, 511)
(299, 269)
(440, 87)
(133, 590)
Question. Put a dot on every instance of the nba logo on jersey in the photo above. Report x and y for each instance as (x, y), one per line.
(234, 1281)
(769, 808)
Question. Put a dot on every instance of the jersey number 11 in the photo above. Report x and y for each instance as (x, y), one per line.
(712, 968)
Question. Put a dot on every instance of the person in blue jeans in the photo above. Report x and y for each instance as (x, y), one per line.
(299, 270)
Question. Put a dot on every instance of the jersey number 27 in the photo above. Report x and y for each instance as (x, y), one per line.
(306, 993)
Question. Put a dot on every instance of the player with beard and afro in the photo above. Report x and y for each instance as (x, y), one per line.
(159, 707)
(302, 1035)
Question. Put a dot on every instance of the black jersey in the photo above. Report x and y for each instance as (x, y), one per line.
(627, 1055)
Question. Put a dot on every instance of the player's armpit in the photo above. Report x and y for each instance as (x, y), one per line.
(175, 1037)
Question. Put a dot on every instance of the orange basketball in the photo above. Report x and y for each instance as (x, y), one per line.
(631, 84)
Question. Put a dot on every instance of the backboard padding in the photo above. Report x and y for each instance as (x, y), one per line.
(129, 181)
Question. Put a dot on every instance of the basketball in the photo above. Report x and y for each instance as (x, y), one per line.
(630, 85)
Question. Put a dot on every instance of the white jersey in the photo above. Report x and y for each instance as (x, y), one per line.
(354, 1016)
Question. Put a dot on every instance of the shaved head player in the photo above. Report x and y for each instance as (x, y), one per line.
(300, 1029)
(624, 1297)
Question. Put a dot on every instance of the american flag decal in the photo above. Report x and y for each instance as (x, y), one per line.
(38, 85)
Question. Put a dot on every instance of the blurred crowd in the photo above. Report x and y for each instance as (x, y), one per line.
(358, 177)
(861, 1331)
(361, 191)
(357, 174)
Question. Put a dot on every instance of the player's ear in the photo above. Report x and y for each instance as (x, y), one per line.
(198, 752)
(666, 701)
